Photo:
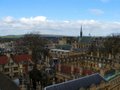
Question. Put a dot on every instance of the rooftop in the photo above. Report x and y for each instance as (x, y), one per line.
(60, 50)
(112, 76)
(3, 60)
(76, 84)
(21, 58)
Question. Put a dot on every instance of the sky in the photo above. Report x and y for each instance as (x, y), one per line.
(60, 17)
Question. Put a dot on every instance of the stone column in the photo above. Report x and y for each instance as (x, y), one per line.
(98, 54)
(102, 72)
(81, 70)
(91, 53)
(72, 69)
(59, 67)
(110, 56)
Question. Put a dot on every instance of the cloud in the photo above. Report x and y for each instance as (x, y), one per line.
(42, 24)
(36, 19)
(8, 19)
(96, 11)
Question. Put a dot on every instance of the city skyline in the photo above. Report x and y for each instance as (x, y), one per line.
(98, 17)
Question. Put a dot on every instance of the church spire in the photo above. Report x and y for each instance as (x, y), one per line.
(81, 32)
(81, 35)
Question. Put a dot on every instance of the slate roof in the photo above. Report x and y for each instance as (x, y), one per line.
(76, 84)
(86, 39)
(64, 47)
(6, 83)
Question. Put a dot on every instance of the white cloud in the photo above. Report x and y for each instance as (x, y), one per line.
(8, 19)
(23, 25)
(96, 11)
(36, 19)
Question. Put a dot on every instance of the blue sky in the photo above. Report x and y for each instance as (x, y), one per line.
(98, 17)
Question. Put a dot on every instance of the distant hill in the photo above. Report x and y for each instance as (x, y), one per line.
(42, 35)
(11, 36)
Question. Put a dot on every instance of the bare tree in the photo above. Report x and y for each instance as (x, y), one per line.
(112, 44)
(36, 44)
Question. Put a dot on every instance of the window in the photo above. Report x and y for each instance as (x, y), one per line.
(15, 74)
(12, 63)
(6, 69)
(15, 68)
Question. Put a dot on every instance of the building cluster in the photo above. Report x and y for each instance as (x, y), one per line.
(12, 63)
(82, 57)
(91, 82)
(78, 62)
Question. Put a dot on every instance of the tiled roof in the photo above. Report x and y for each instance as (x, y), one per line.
(84, 82)
(3, 60)
(6, 83)
(21, 58)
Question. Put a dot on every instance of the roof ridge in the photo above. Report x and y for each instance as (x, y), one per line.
(75, 80)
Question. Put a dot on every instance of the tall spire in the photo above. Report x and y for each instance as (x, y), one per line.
(81, 32)
(81, 35)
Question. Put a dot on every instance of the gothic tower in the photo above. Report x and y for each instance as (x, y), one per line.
(81, 34)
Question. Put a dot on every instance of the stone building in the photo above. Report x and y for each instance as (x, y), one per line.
(14, 65)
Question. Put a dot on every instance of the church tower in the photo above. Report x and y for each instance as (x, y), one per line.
(81, 33)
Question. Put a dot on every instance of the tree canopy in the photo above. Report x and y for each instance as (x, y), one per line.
(112, 44)
(36, 44)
